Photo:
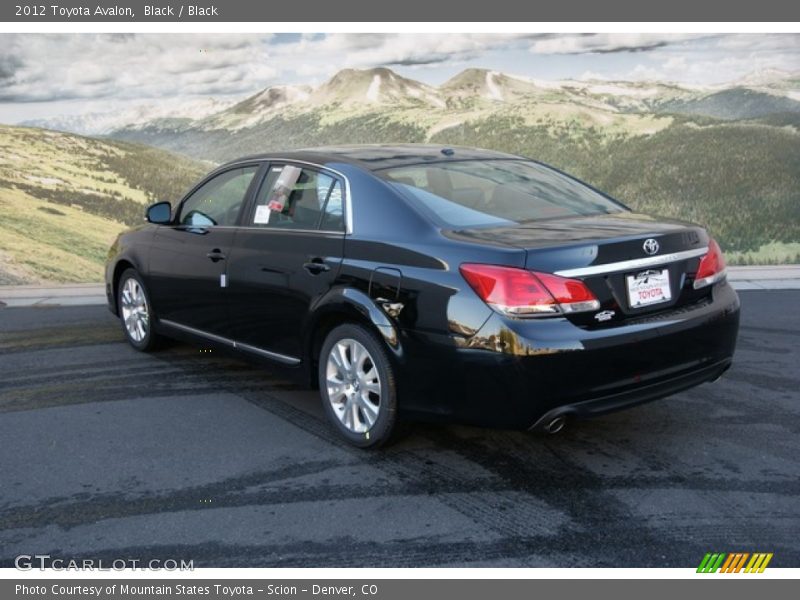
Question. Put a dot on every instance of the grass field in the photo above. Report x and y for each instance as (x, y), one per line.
(64, 197)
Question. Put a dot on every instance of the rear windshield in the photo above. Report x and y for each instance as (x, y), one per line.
(479, 193)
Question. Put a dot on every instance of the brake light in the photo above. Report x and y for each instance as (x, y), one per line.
(522, 293)
(712, 267)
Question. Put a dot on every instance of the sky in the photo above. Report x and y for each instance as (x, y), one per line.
(47, 75)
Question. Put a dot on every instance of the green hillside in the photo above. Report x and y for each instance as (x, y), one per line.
(735, 103)
(739, 178)
(63, 199)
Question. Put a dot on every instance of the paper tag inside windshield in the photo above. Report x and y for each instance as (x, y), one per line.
(262, 215)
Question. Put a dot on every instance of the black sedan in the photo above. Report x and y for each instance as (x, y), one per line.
(432, 283)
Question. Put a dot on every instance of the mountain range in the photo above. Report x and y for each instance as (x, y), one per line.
(726, 156)
(381, 105)
(354, 91)
(105, 122)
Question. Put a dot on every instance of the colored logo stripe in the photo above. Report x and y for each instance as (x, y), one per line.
(733, 562)
(710, 563)
(758, 563)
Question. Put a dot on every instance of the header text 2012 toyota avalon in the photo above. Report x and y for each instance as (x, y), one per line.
(441, 283)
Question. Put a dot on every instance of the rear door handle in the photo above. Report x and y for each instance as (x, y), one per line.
(316, 266)
(216, 255)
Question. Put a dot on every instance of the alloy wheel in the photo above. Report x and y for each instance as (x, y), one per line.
(353, 385)
(135, 312)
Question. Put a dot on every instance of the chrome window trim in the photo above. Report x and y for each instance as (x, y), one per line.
(289, 360)
(348, 203)
(278, 229)
(636, 263)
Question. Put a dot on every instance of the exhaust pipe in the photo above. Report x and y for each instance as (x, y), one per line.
(556, 424)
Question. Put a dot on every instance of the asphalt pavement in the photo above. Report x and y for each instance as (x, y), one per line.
(109, 453)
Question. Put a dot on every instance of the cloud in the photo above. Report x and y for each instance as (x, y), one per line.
(754, 42)
(36, 68)
(706, 61)
(113, 69)
(9, 65)
(367, 50)
(592, 76)
(40, 68)
(602, 43)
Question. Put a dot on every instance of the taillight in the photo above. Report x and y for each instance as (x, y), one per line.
(522, 293)
(712, 267)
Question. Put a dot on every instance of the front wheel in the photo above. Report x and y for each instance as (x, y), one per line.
(357, 385)
(135, 311)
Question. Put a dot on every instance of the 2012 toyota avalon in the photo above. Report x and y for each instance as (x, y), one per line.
(417, 281)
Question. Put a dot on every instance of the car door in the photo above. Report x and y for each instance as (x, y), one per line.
(287, 254)
(188, 259)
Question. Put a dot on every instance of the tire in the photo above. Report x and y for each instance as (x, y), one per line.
(136, 312)
(360, 399)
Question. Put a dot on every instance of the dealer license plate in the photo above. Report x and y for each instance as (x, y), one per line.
(648, 287)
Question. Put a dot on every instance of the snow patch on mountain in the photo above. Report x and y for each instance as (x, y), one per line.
(494, 91)
(374, 89)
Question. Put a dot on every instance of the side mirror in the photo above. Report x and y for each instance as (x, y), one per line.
(159, 213)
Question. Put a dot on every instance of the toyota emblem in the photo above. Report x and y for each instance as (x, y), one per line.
(650, 246)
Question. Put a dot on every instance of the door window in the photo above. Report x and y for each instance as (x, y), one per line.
(333, 217)
(217, 202)
(294, 197)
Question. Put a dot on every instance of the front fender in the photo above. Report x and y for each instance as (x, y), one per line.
(125, 253)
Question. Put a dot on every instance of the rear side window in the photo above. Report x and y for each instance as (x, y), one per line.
(495, 192)
(333, 217)
(294, 197)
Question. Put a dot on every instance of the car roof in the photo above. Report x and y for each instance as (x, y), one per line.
(381, 156)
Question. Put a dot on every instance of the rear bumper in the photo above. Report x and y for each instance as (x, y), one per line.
(638, 395)
(515, 373)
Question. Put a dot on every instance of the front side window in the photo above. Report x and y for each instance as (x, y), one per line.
(217, 202)
(474, 193)
(294, 197)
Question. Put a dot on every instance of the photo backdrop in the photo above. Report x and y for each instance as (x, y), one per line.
(95, 127)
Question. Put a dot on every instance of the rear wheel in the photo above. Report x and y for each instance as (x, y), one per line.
(357, 385)
(135, 311)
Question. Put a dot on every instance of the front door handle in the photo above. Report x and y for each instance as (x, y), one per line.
(216, 255)
(316, 266)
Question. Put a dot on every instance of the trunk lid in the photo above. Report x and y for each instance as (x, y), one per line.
(605, 252)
